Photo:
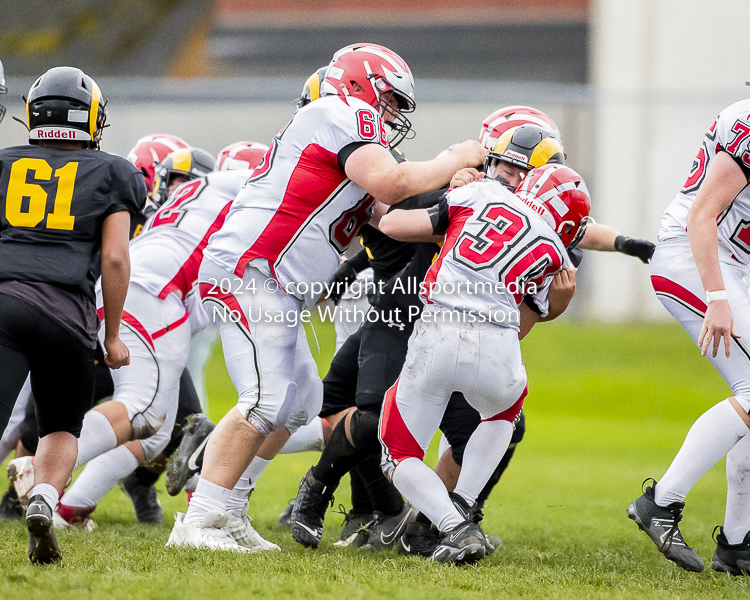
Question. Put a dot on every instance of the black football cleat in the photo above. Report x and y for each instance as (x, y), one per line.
(147, 506)
(188, 458)
(43, 548)
(660, 523)
(357, 529)
(387, 530)
(310, 505)
(10, 506)
(731, 558)
(419, 538)
(462, 545)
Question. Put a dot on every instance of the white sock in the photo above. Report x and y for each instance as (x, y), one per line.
(208, 497)
(712, 435)
(101, 474)
(237, 501)
(484, 451)
(421, 486)
(307, 438)
(48, 492)
(737, 516)
(97, 436)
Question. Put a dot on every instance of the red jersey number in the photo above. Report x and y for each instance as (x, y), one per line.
(347, 226)
(172, 212)
(503, 227)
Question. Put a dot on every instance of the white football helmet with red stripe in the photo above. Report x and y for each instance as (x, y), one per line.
(367, 72)
(560, 196)
(150, 150)
(239, 156)
(503, 119)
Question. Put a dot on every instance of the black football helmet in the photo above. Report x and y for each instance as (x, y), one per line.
(66, 104)
(190, 162)
(3, 90)
(311, 89)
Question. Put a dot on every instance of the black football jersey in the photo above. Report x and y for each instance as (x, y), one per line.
(52, 206)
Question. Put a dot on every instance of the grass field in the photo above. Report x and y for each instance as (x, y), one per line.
(608, 406)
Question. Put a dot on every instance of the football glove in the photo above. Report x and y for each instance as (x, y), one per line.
(642, 249)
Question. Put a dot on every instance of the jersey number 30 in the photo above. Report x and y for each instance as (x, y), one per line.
(19, 189)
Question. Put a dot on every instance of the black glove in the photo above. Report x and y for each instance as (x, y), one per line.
(342, 277)
(642, 249)
(575, 255)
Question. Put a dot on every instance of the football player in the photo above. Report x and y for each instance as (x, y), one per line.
(697, 273)
(79, 202)
(469, 341)
(281, 241)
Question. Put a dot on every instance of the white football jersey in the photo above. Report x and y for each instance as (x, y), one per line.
(299, 211)
(166, 256)
(496, 251)
(730, 133)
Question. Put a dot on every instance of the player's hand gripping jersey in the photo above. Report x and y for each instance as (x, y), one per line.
(729, 133)
(493, 238)
(299, 210)
(166, 256)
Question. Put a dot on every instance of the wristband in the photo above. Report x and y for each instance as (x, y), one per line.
(716, 295)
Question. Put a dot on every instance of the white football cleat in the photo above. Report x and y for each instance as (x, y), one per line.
(245, 535)
(211, 535)
(21, 475)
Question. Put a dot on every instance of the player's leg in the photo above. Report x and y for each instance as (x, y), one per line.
(678, 286)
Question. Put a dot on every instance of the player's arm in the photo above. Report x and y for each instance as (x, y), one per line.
(561, 292)
(417, 225)
(374, 169)
(724, 180)
(604, 238)
(115, 277)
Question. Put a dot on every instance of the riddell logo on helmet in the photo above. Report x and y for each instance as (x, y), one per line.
(56, 134)
(516, 155)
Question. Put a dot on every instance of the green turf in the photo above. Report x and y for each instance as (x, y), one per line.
(608, 407)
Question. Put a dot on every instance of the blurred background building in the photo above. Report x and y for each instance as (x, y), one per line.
(632, 85)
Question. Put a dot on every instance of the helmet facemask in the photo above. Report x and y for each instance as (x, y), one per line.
(393, 117)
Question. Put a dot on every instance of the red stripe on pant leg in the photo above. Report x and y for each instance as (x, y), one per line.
(394, 433)
(662, 285)
(136, 324)
(213, 292)
(512, 413)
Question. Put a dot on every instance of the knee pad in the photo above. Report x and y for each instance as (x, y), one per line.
(363, 427)
(154, 445)
(146, 425)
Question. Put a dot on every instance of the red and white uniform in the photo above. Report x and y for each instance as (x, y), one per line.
(299, 211)
(160, 311)
(674, 274)
(461, 342)
(286, 229)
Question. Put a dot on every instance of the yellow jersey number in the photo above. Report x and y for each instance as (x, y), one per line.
(19, 188)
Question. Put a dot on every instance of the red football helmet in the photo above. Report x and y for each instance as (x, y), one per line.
(367, 71)
(240, 155)
(150, 150)
(507, 117)
(560, 196)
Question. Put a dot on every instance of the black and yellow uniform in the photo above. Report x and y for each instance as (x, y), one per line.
(53, 203)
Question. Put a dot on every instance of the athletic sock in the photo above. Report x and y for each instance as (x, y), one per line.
(495, 477)
(361, 503)
(146, 477)
(307, 438)
(97, 436)
(424, 489)
(338, 457)
(737, 516)
(208, 497)
(101, 474)
(237, 499)
(48, 492)
(712, 435)
(384, 496)
(483, 453)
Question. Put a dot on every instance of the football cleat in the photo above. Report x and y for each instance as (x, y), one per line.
(310, 505)
(357, 529)
(731, 558)
(419, 538)
(386, 531)
(147, 506)
(21, 475)
(43, 548)
(285, 518)
(474, 514)
(211, 535)
(74, 517)
(10, 507)
(661, 525)
(188, 458)
(462, 545)
(242, 531)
